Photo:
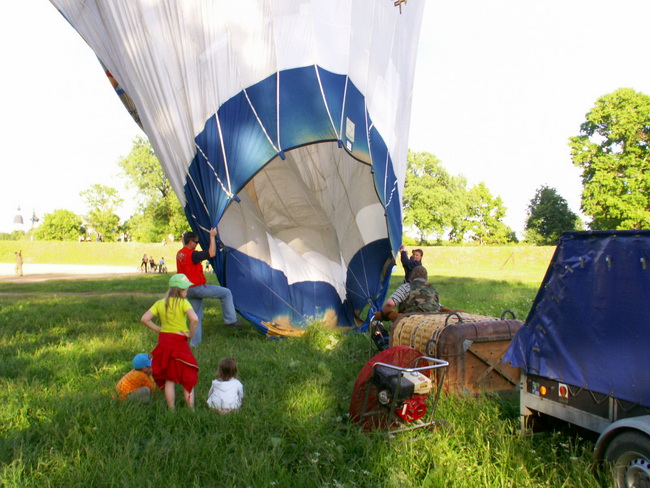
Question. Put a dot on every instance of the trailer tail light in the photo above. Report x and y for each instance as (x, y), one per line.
(563, 392)
(543, 390)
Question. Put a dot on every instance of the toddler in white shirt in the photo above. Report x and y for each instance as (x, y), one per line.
(227, 391)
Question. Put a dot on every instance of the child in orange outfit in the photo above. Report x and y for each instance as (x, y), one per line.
(137, 384)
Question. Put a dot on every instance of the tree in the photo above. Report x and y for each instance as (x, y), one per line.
(548, 216)
(160, 212)
(433, 199)
(60, 225)
(612, 151)
(484, 218)
(103, 201)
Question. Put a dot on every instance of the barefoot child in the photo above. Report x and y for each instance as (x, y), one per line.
(226, 392)
(173, 362)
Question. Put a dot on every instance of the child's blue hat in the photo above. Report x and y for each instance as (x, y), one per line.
(141, 360)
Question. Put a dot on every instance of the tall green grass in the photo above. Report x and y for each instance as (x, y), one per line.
(63, 354)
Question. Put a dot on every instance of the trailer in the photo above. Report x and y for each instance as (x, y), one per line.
(583, 350)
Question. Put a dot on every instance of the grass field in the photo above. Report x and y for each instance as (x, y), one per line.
(511, 263)
(63, 351)
(104, 253)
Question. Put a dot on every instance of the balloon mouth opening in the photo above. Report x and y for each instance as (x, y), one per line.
(307, 214)
(305, 217)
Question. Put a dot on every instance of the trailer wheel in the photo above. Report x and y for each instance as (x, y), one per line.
(629, 454)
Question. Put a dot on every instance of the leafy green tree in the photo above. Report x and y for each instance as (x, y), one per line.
(103, 201)
(484, 220)
(433, 199)
(548, 216)
(60, 225)
(160, 213)
(612, 151)
(14, 235)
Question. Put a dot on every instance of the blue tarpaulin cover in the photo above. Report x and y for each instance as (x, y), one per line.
(589, 324)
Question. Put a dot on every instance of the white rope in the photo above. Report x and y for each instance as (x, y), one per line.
(345, 100)
(214, 171)
(277, 104)
(322, 92)
(259, 121)
(198, 193)
(223, 152)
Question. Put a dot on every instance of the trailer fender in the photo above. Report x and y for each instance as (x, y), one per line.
(639, 424)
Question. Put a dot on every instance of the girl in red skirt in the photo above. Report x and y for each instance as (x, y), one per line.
(173, 361)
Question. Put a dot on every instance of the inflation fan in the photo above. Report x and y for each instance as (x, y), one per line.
(392, 388)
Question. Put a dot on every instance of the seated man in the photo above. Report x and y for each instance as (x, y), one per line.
(416, 296)
(189, 262)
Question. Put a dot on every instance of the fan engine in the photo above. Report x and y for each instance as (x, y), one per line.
(407, 394)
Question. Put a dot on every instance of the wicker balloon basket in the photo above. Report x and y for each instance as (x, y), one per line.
(473, 345)
(418, 330)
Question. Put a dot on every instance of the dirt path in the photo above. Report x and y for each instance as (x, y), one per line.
(35, 273)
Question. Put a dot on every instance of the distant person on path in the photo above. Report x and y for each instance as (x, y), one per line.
(138, 384)
(145, 263)
(19, 262)
(188, 262)
(152, 264)
(410, 263)
(161, 266)
(226, 392)
(173, 361)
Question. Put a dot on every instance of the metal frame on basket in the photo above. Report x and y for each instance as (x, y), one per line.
(392, 417)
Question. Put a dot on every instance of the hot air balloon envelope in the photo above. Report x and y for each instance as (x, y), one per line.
(282, 123)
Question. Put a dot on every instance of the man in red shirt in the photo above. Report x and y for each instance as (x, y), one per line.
(188, 262)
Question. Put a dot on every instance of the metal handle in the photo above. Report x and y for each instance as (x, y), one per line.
(460, 319)
(503, 315)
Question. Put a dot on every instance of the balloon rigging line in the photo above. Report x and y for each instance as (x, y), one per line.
(223, 153)
(199, 225)
(345, 99)
(385, 179)
(250, 104)
(392, 42)
(368, 128)
(277, 112)
(259, 121)
(214, 171)
(198, 193)
(393, 189)
(392, 192)
(322, 92)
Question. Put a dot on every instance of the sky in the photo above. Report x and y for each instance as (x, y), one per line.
(500, 86)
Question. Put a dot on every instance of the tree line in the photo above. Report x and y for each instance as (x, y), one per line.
(158, 215)
(611, 149)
